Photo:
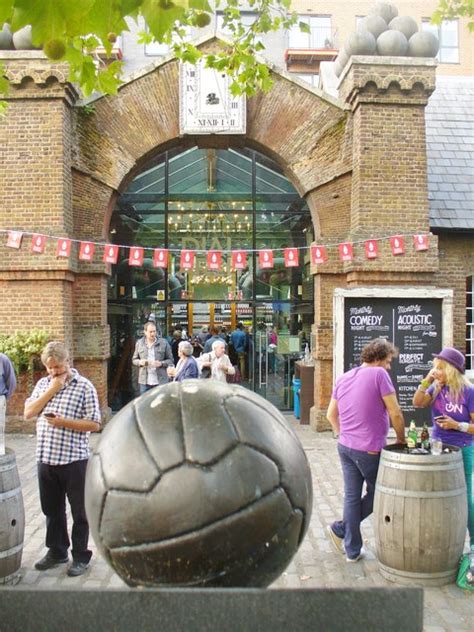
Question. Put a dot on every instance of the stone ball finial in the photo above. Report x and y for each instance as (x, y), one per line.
(405, 24)
(375, 24)
(360, 43)
(423, 44)
(6, 39)
(386, 10)
(341, 61)
(392, 44)
(22, 39)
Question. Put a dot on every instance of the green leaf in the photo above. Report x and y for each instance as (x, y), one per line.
(200, 5)
(6, 10)
(103, 18)
(108, 80)
(160, 21)
(4, 85)
(304, 27)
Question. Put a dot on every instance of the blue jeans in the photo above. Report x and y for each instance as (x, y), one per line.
(146, 387)
(468, 460)
(357, 467)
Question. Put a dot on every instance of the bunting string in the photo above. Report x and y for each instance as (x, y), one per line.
(318, 252)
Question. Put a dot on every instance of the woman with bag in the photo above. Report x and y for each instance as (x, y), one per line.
(451, 397)
(217, 361)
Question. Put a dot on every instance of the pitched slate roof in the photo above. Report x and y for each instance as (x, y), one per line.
(450, 154)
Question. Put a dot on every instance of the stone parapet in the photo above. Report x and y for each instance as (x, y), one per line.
(31, 72)
(372, 79)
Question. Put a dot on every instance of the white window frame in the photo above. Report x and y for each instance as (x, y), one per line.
(319, 32)
(444, 49)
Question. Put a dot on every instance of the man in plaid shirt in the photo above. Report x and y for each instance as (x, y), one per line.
(67, 408)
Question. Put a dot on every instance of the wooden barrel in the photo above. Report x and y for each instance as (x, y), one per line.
(12, 518)
(420, 516)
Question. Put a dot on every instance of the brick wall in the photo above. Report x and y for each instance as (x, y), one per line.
(360, 164)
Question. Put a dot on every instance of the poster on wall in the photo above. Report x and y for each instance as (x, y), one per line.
(417, 325)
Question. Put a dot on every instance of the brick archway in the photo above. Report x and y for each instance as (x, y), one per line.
(360, 164)
(126, 131)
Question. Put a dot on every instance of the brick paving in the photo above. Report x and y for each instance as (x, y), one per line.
(315, 565)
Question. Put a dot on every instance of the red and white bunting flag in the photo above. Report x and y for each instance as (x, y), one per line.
(421, 242)
(160, 258)
(86, 251)
(397, 244)
(239, 259)
(187, 259)
(64, 247)
(110, 253)
(319, 254)
(265, 258)
(38, 243)
(14, 239)
(291, 257)
(371, 249)
(214, 260)
(346, 251)
(136, 256)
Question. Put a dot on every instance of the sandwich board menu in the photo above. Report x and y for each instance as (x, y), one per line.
(413, 324)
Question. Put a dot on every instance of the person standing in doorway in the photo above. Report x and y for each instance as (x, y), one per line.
(218, 361)
(7, 386)
(67, 410)
(153, 356)
(238, 339)
(363, 403)
(186, 367)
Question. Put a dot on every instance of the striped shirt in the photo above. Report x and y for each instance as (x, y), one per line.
(76, 400)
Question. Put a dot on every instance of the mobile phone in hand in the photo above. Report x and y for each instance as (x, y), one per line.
(50, 415)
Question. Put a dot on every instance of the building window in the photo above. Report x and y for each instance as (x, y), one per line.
(320, 35)
(312, 79)
(470, 324)
(448, 35)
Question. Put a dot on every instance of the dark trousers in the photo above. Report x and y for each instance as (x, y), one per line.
(55, 483)
(357, 467)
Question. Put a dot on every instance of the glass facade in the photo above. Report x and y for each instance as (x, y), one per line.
(203, 200)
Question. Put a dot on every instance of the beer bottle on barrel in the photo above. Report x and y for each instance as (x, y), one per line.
(412, 436)
(425, 437)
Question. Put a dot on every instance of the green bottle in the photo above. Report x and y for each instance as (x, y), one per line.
(425, 437)
(412, 436)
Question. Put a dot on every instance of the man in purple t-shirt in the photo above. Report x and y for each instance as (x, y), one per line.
(362, 406)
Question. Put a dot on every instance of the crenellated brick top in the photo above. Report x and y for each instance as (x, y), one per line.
(33, 75)
(387, 80)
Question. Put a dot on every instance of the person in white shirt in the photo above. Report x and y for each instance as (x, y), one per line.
(218, 361)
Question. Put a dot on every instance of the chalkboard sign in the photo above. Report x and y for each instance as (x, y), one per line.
(413, 326)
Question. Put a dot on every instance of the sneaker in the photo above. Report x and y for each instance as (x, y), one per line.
(352, 560)
(77, 568)
(335, 540)
(48, 561)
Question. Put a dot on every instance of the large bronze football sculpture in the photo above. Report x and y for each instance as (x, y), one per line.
(198, 483)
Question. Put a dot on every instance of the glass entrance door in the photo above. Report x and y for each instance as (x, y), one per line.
(277, 344)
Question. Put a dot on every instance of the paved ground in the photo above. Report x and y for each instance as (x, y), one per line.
(315, 565)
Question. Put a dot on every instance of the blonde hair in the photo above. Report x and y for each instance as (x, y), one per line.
(455, 380)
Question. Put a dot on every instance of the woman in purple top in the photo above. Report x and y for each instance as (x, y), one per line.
(362, 405)
(451, 397)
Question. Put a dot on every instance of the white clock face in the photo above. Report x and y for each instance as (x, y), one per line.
(206, 105)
